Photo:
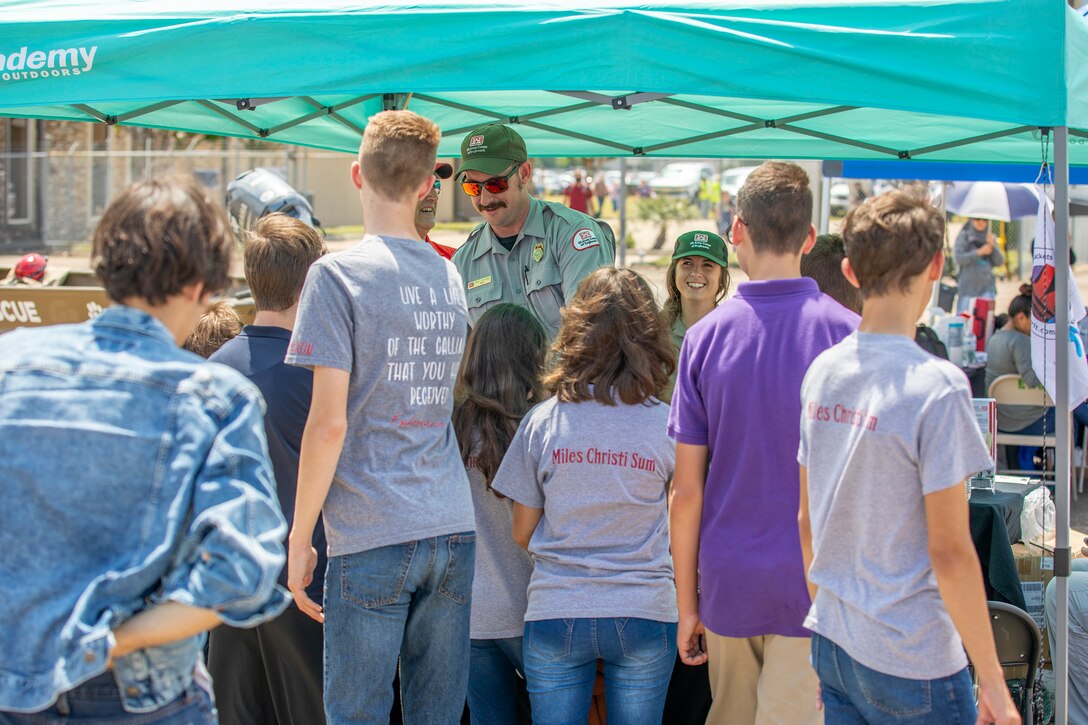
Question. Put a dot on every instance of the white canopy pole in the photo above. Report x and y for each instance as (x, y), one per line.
(621, 236)
(935, 296)
(825, 203)
(1061, 405)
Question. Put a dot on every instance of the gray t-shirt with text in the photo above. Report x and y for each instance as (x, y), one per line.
(392, 313)
(883, 424)
(600, 474)
(501, 583)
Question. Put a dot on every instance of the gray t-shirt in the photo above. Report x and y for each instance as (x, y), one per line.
(500, 586)
(600, 473)
(1009, 353)
(883, 424)
(392, 313)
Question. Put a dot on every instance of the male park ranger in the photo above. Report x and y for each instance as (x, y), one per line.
(530, 252)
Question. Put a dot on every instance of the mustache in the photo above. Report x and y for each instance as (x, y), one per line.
(492, 207)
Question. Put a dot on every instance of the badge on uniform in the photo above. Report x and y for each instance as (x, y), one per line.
(538, 251)
(479, 282)
(584, 239)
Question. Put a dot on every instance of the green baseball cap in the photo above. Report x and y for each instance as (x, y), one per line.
(492, 149)
(701, 244)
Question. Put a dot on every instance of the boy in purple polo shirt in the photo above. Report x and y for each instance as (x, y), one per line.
(733, 513)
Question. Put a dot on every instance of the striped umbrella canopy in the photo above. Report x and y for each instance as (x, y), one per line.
(992, 200)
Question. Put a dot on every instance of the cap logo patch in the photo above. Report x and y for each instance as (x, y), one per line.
(701, 238)
(696, 244)
(476, 140)
(584, 239)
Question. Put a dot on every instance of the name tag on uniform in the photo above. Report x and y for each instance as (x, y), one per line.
(479, 282)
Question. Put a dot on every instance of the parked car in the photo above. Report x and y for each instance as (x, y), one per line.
(733, 179)
(681, 178)
(546, 181)
(840, 197)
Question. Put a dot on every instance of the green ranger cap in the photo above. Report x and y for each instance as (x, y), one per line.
(492, 149)
(701, 244)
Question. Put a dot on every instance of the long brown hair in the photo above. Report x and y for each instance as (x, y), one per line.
(674, 306)
(613, 338)
(499, 381)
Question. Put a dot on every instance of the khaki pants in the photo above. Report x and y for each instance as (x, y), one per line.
(762, 681)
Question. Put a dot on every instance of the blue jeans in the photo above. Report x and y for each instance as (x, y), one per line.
(98, 701)
(561, 664)
(493, 680)
(409, 600)
(856, 695)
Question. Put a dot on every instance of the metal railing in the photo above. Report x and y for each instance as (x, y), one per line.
(50, 200)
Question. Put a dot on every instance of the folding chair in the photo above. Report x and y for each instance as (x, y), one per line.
(1010, 390)
(1019, 645)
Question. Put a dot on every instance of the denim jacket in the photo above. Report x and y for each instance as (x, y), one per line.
(132, 473)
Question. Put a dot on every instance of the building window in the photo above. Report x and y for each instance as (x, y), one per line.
(17, 176)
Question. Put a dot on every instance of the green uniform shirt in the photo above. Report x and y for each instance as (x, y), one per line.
(676, 332)
(555, 250)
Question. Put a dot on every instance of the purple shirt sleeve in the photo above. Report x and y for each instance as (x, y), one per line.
(687, 413)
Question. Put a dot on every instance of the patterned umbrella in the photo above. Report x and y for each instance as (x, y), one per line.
(992, 200)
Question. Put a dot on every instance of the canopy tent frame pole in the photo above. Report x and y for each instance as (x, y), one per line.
(595, 100)
(538, 114)
(334, 115)
(214, 108)
(580, 136)
(122, 117)
(621, 102)
(95, 114)
(641, 150)
(935, 298)
(1063, 428)
(322, 110)
(756, 123)
(763, 122)
(825, 202)
(968, 141)
(621, 240)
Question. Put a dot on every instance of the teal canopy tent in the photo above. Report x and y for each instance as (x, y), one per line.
(947, 80)
(940, 80)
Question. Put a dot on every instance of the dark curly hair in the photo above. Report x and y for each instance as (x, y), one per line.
(613, 338)
(158, 237)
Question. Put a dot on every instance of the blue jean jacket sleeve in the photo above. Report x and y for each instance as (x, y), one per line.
(233, 548)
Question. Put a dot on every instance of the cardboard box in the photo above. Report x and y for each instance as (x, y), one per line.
(1035, 564)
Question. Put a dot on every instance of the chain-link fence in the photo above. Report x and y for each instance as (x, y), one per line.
(53, 199)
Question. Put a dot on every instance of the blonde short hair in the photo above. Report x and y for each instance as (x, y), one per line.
(218, 325)
(398, 152)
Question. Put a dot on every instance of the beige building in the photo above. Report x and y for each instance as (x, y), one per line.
(58, 176)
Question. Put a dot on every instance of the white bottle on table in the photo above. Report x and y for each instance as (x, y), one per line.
(955, 342)
(970, 342)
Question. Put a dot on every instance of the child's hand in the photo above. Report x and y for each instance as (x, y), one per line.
(301, 560)
(995, 705)
(691, 640)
